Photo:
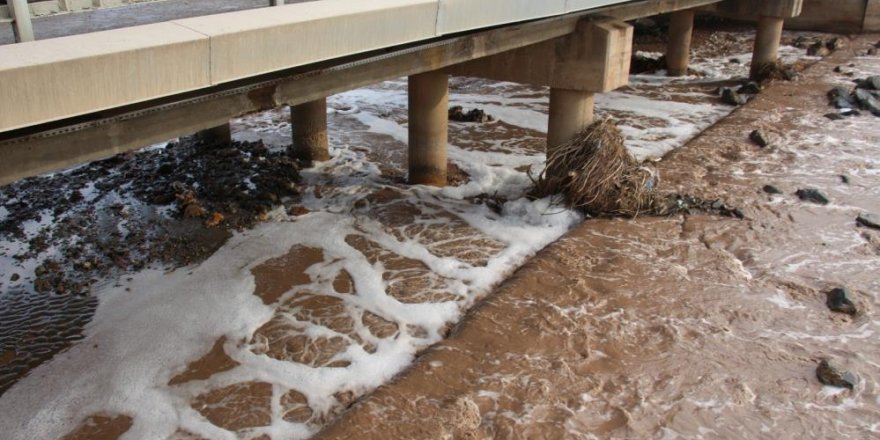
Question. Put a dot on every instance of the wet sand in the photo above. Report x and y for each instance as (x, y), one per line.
(686, 327)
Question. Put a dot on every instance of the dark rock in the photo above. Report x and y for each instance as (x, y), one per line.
(867, 101)
(834, 116)
(834, 43)
(718, 205)
(789, 74)
(646, 64)
(735, 61)
(770, 189)
(842, 103)
(749, 88)
(844, 179)
(840, 300)
(14, 277)
(838, 69)
(813, 196)
(871, 51)
(738, 213)
(839, 92)
(832, 375)
(730, 97)
(457, 114)
(759, 138)
(818, 49)
(869, 220)
(873, 82)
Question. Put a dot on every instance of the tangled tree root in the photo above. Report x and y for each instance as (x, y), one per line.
(596, 174)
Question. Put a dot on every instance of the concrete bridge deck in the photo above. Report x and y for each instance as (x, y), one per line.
(73, 99)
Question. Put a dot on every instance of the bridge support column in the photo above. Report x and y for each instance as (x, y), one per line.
(309, 126)
(767, 41)
(681, 28)
(21, 14)
(221, 134)
(428, 128)
(570, 112)
(595, 58)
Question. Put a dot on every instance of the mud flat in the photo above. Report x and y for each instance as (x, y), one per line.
(685, 327)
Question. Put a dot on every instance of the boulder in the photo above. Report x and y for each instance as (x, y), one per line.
(833, 375)
(869, 220)
(840, 300)
(812, 195)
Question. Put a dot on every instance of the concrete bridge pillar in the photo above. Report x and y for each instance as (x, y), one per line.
(771, 15)
(428, 128)
(570, 112)
(22, 26)
(681, 28)
(767, 40)
(221, 134)
(595, 58)
(309, 126)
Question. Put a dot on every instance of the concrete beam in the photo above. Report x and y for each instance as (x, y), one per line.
(309, 126)
(595, 58)
(678, 52)
(428, 128)
(758, 8)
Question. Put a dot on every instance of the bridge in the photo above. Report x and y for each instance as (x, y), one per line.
(69, 100)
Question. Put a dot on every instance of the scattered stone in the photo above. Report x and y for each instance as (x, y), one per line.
(871, 51)
(812, 195)
(759, 138)
(749, 88)
(457, 114)
(14, 277)
(844, 179)
(834, 116)
(735, 61)
(868, 220)
(832, 375)
(873, 82)
(643, 63)
(730, 97)
(839, 92)
(770, 189)
(215, 220)
(298, 211)
(818, 49)
(840, 300)
(193, 210)
(867, 101)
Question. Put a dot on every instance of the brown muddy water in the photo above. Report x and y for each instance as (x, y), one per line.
(690, 326)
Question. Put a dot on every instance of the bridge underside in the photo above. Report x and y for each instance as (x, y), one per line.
(578, 55)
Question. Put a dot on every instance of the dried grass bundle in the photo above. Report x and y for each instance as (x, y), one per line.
(596, 174)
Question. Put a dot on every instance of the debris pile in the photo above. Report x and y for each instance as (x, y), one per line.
(595, 173)
(865, 96)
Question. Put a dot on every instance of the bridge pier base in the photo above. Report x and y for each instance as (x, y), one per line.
(681, 28)
(767, 40)
(309, 126)
(428, 128)
(221, 134)
(570, 112)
